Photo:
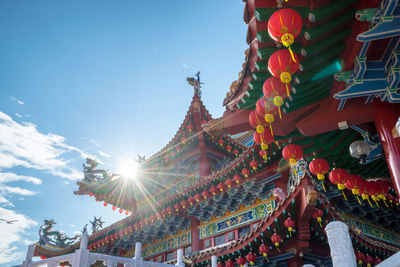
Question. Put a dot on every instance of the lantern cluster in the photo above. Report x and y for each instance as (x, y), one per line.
(283, 26)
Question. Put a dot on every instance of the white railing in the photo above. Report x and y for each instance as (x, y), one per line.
(84, 258)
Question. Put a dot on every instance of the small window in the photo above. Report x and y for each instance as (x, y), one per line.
(188, 250)
(170, 256)
(207, 243)
(219, 240)
(230, 235)
(244, 231)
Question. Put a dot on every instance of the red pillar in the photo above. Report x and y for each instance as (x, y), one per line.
(296, 261)
(196, 246)
(386, 116)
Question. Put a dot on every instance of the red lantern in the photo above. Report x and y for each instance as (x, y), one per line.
(319, 167)
(353, 183)
(251, 257)
(236, 152)
(263, 249)
(169, 210)
(289, 224)
(221, 142)
(263, 153)
(42, 257)
(254, 164)
(266, 108)
(360, 257)
(91, 194)
(276, 239)
(183, 204)
(282, 64)
(164, 213)
(377, 260)
(220, 264)
(229, 263)
(177, 207)
(191, 200)
(126, 212)
(284, 26)
(229, 183)
(105, 204)
(383, 191)
(237, 178)
(197, 197)
(241, 261)
(245, 172)
(255, 119)
(339, 177)
(317, 214)
(221, 187)
(374, 191)
(228, 148)
(368, 260)
(189, 128)
(364, 190)
(213, 190)
(205, 194)
(274, 91)
(263, 139)
(292, 153)
(121, 210)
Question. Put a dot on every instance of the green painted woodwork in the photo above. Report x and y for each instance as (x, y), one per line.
(241, 105)
(266, 52)
(256, 85)
(329, 9)
(323, 44)
(263, 14)
(304, 87)
(302, 77)
(306, 101)
(262, 65)
(260, 76)
(254, 93)
(318, 31)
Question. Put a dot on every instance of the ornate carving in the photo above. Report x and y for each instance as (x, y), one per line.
(97, 224)
(93, 174)
(312, 197)
(48, 236)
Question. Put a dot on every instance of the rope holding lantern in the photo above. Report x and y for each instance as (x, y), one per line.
(284, 26)
(319, 167)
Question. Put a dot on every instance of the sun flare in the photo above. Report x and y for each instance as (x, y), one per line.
(128, 169)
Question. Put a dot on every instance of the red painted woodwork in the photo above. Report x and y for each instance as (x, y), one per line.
(195, 234)
(385, 117)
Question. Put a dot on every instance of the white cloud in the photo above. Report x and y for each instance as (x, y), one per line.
(185, 65)
(21, 144)
(16, 100)
(18, 115)
(12, 177)
(101, 153)
(11, 234)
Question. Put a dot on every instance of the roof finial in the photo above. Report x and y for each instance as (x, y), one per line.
(195, 83)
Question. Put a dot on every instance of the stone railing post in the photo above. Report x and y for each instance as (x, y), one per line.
(138, 254)
(179, 258)
(342, 252)
(29, 256)
(81, 256)
(214, 262)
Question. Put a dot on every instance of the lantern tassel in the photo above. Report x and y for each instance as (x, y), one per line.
(376, 202)
(270, 127)
(385, 203)
(320, 224)
(369, 202)
(290, 233)
(323, 186)
(287, 90)
(358, 200)
(280, 114)
(266, 257)
(278, 249)
(291, 53)
(344, 195)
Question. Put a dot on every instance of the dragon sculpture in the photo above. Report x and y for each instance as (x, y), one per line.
(93, 174)
(97, 224)
(48, 236)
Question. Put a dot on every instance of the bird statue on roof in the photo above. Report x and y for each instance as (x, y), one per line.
(7, 221)
(195, 83)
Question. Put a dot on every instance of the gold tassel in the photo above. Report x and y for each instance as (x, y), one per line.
(385, 203)
(291, 53)
(344, 195)
(270, 127)
(323, 186)
(280, 114)
(287, 90)
(358, 200)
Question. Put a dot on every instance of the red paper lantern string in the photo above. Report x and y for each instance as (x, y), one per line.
(319, 167)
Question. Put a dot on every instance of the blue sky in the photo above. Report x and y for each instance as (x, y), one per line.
(99, 78)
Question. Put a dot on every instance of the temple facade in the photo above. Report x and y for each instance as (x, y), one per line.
(302, 168)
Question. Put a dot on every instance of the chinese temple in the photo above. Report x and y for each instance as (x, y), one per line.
(305, 157)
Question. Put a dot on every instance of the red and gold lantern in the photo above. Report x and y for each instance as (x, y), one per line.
(221, 187)
(228, 148)
(236, 152)
(251, 257)
(253, 164)
(229, 183)
(289, 224)
(319, 167)
(263, 249)
(245, 172)
(317, 214)
(274, 91)
(183, 204)
(283, 64)
(229, 263)
(241, 261)
(276, 239)
(339, 177)
(237, 178)
(213, 190)
(353, 183)
(292, 153)
(205, 194)
(266, 108)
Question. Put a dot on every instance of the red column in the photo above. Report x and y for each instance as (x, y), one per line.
(296, 261)
(195, 234)
(385, 116)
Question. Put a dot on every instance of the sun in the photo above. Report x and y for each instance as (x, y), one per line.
(128, 169)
